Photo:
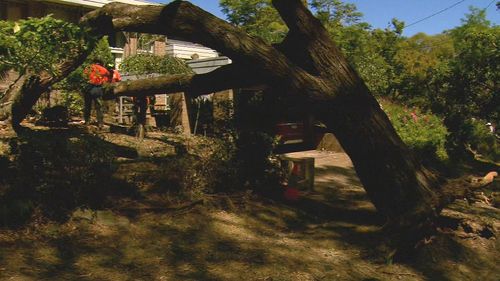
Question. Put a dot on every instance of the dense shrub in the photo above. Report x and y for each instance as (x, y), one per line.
(208, 167)
(424, 133)
(39, 44)
(482, 140)
(148, 63)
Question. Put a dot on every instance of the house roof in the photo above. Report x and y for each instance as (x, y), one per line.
(99, 3)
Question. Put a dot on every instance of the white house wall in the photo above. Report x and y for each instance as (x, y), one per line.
(98, 3)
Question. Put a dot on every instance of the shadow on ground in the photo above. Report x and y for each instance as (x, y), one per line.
(54, 172)
(331, 234)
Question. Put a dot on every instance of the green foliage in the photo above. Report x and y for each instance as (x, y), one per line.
(148, 63)
(39, 44)
(424, 133)
(482, 140)
(466, 85)
(417, 61)
(335, 16)
(372, 52)
(42, 44)
(256, 17)
(73, 101)
(76, 82)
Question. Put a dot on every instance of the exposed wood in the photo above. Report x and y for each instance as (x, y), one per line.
(463, 188)
(179, 115)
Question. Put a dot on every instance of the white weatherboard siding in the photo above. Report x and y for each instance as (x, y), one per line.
(99, 3)
(185, 50)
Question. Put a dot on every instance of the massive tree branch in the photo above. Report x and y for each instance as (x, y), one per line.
(226, 77)
(309, 45)
(399, 188)
(361, 126)
(183, 19)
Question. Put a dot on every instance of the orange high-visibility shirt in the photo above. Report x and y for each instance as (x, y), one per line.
(97, 74)
(116, 76)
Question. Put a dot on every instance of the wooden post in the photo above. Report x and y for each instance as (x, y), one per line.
(179, 113)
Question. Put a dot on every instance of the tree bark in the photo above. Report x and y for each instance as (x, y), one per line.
(9, 96)
(223, 78)
(399, 187)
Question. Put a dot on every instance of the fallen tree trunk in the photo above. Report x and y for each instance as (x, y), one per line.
(223, 78)
(307, 65)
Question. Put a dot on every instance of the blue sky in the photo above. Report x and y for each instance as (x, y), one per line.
(379, 13)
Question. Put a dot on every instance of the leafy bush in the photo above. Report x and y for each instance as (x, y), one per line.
(209, 167)
(39, 44)
(73, 101)
(424, 133)
(147, 64)
(482, 140)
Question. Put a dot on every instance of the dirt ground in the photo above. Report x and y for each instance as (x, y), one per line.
(332, 233)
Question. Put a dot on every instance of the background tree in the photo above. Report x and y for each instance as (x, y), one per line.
(256, 17)
(466, 86)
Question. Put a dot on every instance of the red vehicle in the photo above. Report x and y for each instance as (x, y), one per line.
(296, 136)
(290, 133)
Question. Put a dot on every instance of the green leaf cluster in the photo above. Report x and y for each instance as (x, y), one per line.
(149, 63)
(76, 81)
(39, 44)
(256, 17)
(424, 133)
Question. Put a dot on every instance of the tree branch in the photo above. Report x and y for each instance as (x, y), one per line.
(183, 19)
(36, 84)
(226, 77)
(309, 45)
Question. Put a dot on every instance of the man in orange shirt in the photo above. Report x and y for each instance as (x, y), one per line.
(114, 74)
(97, 75)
